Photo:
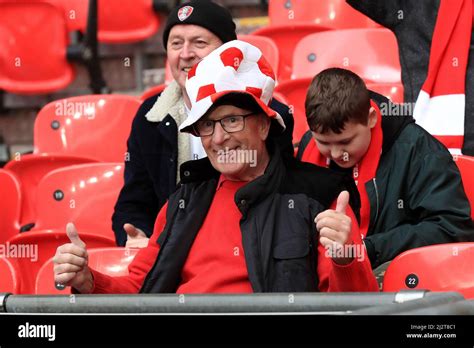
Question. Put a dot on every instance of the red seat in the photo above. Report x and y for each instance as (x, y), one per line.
(152, 91)
(286, 37)
(10, 205)
(370, 53)
(335, 14)
(442, 267)
(111, 261)
(393, 91)
(83, 194)
(122, 21)
(92, 126)
(30, 169)
(39, 246)
(9, 281)
(466, 167)
(294, 92)
(33, 44)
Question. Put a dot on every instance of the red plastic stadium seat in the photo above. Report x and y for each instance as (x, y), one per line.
(335, 14)
(442, 267)
(111, 261)
(122, 21)
(33, 43)
(370, 53)
(294, 92)
(152, 91)
(286, 37)
(36, 247)
(9, 281)
(30, 169)
(393, 91)
(466, 167)
(92, 126)
(10, 205)
(83, 194)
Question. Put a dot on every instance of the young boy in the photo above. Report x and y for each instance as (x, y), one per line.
(410, 188)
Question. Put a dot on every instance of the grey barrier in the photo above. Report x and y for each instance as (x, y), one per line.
(310, 303)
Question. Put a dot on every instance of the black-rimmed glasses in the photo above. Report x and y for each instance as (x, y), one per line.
(231, 124)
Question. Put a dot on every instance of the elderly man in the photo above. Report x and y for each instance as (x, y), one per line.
(243, 219)
(155, 147)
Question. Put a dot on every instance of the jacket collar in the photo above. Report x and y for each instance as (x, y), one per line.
(170, 102)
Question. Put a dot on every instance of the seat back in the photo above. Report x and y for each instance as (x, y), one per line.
(10, 205)
(442, 267)
(336, 14)
(9, 281)
(294, 92)
(370, 53)
(93, 126)
(30, 170)
(123, 21)
(393, 91)
(286, 37)
(466, 168)
(33, 41)
(111, 261)
(34, 248)
(84, 194)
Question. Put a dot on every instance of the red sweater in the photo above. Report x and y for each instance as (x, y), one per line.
(216, 262)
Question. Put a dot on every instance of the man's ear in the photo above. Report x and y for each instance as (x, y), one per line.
(372, 117)
(264, 128)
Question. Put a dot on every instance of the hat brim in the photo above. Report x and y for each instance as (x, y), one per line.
(193, 117)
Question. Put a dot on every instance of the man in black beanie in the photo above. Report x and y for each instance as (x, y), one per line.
(155, 148)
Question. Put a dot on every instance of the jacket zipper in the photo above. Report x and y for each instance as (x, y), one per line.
(377, 199)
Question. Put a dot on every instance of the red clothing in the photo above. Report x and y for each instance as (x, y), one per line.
(216, 262)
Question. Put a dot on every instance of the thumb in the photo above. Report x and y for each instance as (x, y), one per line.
(71, 232)
(342, 202)
(130, 230)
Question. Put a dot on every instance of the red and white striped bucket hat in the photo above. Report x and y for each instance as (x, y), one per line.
(235, 67)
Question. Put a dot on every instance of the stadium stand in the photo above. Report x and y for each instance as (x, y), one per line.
(370, 53)
(393, 91)
(73, 131)
(10, 205)
(9, 281)
(466, 167)
(110, 261)
(442, 267)
(335, 14)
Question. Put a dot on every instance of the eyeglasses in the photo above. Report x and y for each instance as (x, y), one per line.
(230, 124)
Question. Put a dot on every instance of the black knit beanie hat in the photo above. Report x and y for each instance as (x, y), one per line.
(204, 13)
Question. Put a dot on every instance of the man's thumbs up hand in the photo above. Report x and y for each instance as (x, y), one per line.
(335, 226)
(70, 263)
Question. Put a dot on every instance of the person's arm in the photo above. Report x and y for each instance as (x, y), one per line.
(436, 200)
(137, 203)
(354, 276)
(387, 12)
